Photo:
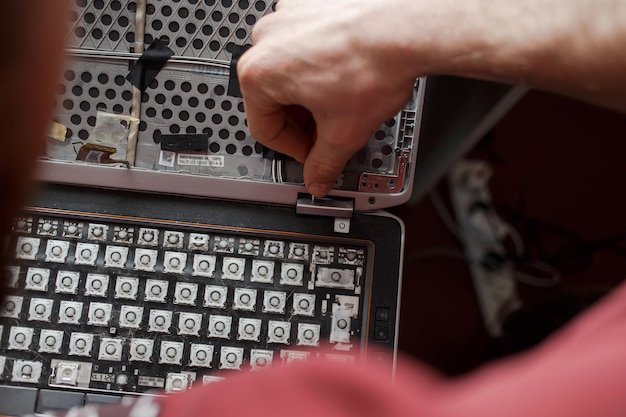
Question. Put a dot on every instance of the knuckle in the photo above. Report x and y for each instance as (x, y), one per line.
(258, 29)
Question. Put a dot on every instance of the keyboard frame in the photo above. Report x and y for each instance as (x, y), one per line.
(381, 233)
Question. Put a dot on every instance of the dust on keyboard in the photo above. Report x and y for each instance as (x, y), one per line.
(103, 304)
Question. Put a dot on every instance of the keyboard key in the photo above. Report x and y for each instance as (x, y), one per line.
(323, 254)
(52, 400)
(27, 248)
(351, 256)
(177, 382)
(23, 225)
(97, 232)
(57, 251)
(231, 357)
(171, 353)
(249, 329)
(303, 304)
(233, 268)
(37, 279)
(219, 326)
(278, 332)
(17, 401)
(50, 341)
(12, 306)
(115, 256)
(99, 314)
(40, 309)
(185, 293)
(245, 299)
(215, 296)
(249, 246)
(123, 234)
(126, 288)
(20, 338)
(203, 266)
(110, 349)
(130, 317)
(274, 302)
(148, 237)
(70, 312)
(198, 241)
(156, 290)
(274, 249)
(174, 262)
(72, 229)
(262, 271)
(224, 244)
(308, 334)
(298, 251)
(86, 254)
(80, 344)
(172, 239)
(335, 278)
(145, 259)
(340, 325)
(260, 358)
(201, 355)
(11, 276)
(96, 285)
(292, 274)
(26, 371)
(47, 227)
(189, 324)
(67, 282)
(141, 350)
(160, 321)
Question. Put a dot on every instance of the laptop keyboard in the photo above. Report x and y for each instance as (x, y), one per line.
(122, 305)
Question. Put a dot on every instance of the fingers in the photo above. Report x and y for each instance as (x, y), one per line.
(269, 125)
(329, 155)
(268, 118)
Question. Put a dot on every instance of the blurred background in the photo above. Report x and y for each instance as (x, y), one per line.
(558, 175)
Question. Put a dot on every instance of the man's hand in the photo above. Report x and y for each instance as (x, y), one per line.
(320, 79)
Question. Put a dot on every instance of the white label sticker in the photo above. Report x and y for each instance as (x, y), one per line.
(150, 381)
(201, 160)
(167, 158)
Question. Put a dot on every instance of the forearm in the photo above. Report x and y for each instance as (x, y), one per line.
(573, 47)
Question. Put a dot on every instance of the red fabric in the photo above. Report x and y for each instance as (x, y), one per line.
(580, 372)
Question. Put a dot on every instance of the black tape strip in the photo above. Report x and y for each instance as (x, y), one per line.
(185, 142)
(234, 90)
(272, 154)
(149, 64)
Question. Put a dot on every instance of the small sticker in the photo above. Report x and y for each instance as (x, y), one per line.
(167, 158)
(201, 160)
(57, 131)
(151, 381)
(94, 157)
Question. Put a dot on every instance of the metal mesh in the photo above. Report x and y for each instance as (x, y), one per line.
(203, 28)
(102, 25)
(184, 98)
(88, 86)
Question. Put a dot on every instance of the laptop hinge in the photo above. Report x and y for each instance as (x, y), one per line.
(340, 209)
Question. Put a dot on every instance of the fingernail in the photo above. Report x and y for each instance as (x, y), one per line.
(319, 190)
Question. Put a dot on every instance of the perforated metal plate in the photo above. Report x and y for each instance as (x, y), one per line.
(102, 24)
(88, 86)
(203, 28)
(186, 96)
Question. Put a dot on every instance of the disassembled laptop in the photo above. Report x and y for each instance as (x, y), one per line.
(167, 247)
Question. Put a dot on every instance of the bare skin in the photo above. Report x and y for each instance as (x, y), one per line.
(351, 64)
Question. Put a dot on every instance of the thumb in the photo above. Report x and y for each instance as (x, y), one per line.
(327, 158)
